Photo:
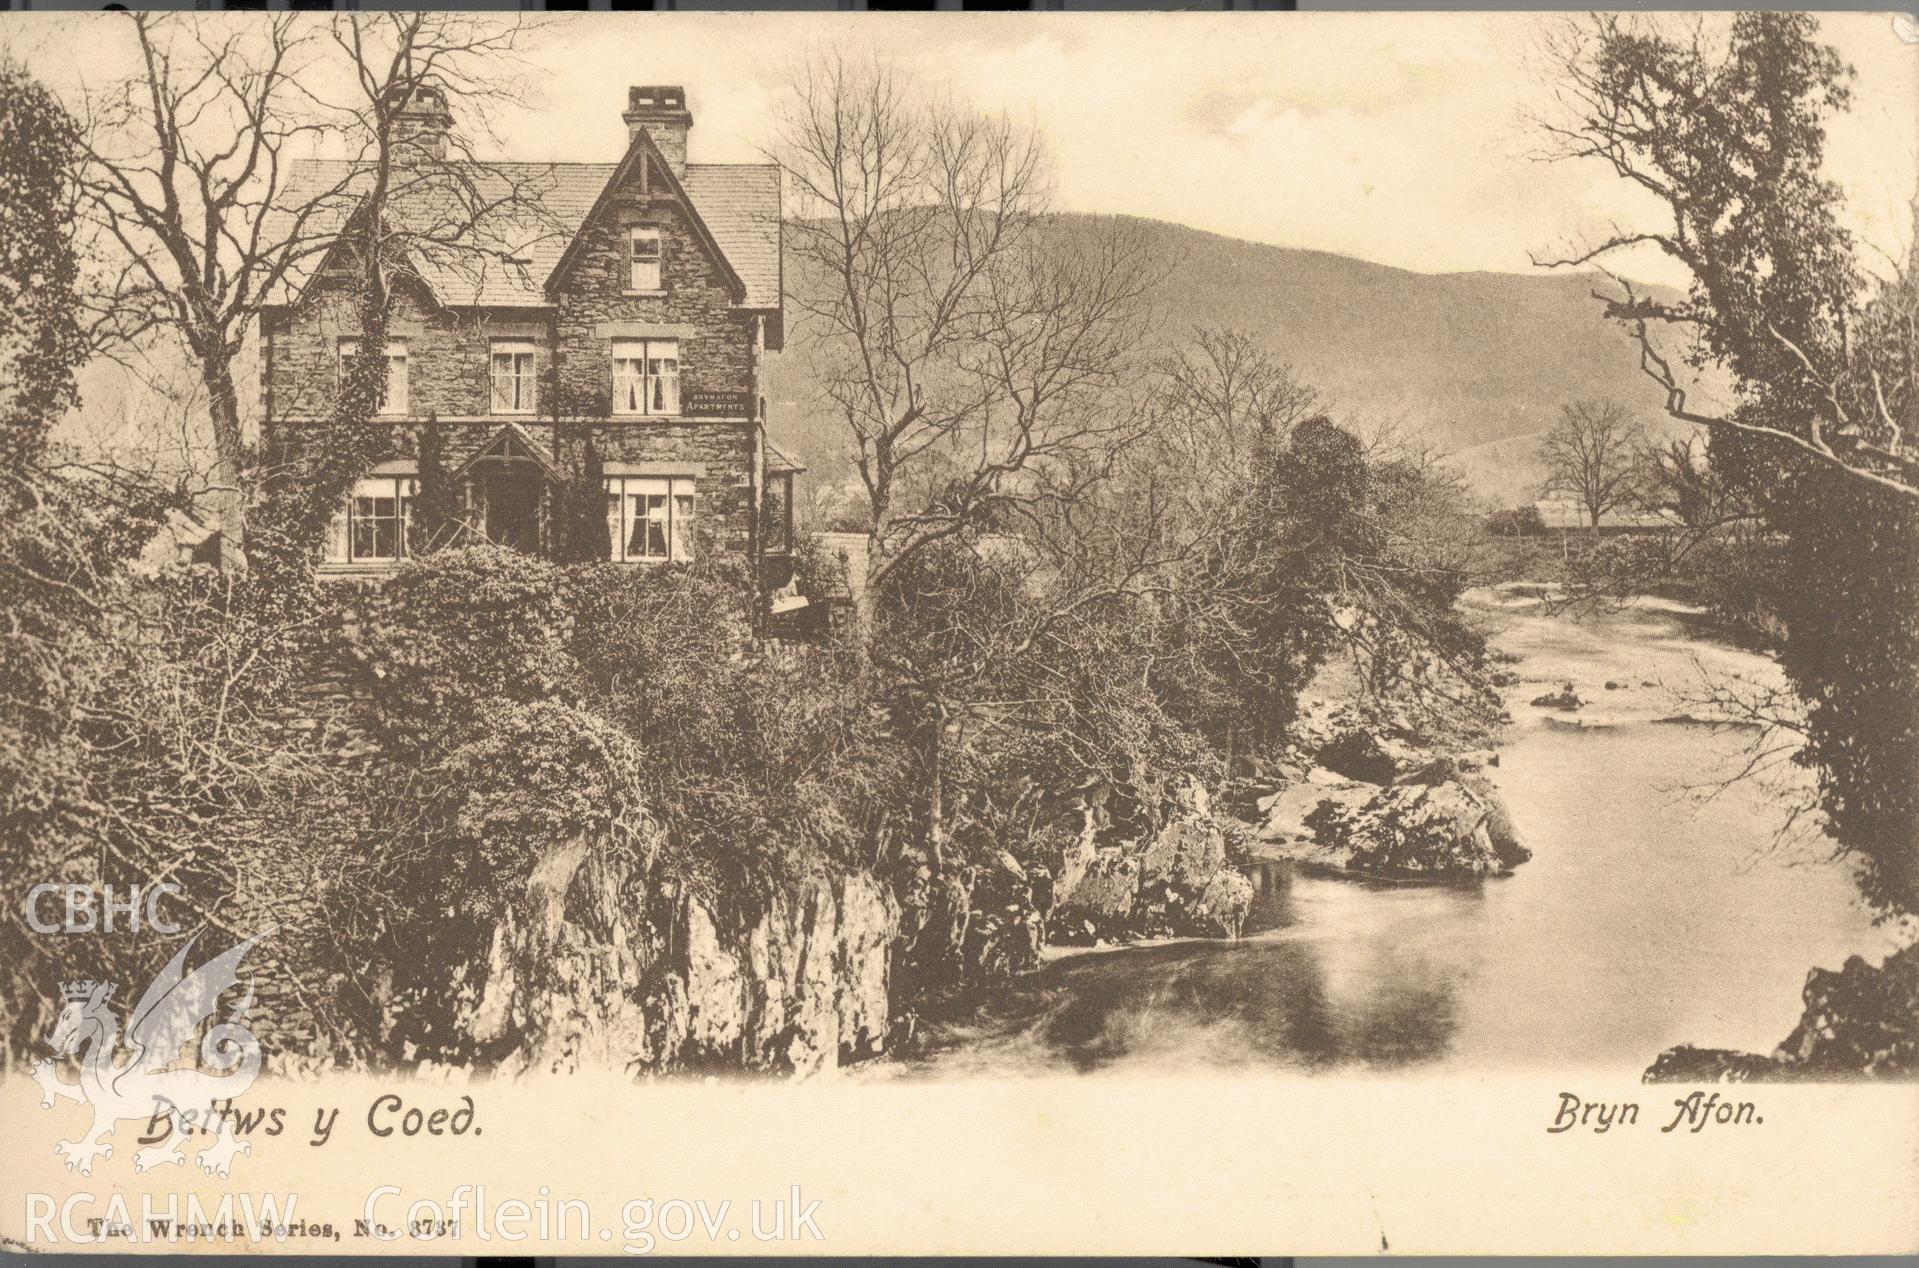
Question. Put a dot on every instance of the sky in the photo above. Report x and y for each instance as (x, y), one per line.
(1401, 138)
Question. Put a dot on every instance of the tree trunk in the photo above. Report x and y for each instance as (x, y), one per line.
(936, 793)
(227, 499)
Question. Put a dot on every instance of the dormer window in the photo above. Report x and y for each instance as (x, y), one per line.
(646, 260)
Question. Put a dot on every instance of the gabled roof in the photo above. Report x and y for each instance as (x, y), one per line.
(511, 441)
(643, 150)
(525, 215)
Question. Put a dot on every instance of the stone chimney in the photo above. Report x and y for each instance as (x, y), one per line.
(421, 126)
(661, 110)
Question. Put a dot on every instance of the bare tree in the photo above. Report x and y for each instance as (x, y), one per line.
(968, 343)
(1592, 456)
(191, 202)
(186, 167)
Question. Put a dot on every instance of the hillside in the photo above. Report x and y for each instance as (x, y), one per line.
(1465, 360)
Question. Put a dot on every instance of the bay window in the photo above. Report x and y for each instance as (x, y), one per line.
(395, 401)
(649, 519)
(513, 380)
(646, 376)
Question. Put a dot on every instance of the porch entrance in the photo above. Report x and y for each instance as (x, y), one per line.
(506, 483)
(510, 494)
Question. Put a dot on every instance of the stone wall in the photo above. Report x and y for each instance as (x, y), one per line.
(595, 307)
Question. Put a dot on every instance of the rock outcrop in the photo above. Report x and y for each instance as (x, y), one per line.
(973, 924)
(1860, 1022)
(1440, 822)
(1179, 883)
(603, 968)
(1285, 812)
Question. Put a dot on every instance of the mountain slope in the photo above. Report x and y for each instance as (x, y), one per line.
(1460, 360)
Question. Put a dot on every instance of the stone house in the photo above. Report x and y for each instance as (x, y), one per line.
(630, 308)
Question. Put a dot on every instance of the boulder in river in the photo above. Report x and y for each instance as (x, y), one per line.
(1183, 855)
(1451, 829)
(1687, 1064)
(1565, 698)
(1187, 884)
(1100, 903)
(1219, 909)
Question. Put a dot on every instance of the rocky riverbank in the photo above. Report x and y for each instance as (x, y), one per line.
(1367, 792)
(603, 966)
(1860, 1022)
(1180, 882)
(1369, 788)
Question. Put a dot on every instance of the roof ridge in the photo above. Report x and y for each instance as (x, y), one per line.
(737, 203)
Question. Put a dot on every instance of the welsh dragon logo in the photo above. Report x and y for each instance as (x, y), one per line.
(145, 1084)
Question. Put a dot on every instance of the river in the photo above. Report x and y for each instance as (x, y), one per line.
(1645, 918)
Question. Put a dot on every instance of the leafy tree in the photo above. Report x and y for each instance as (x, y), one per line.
(1272, 535)
(1260, 611)
(62, 538)
(1592, 456)
(40, 337)
(50, 585)
(1726, 127)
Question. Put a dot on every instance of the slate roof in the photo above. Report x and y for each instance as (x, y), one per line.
(530, 212)
(778, 463)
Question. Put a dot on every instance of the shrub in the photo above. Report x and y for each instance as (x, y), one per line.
(1515, 521)
(460, 629)
(761, 765)
(534, 775)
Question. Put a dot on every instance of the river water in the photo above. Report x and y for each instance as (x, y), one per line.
(1645, 918)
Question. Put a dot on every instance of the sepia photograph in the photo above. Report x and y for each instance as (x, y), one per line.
(1032, 582)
